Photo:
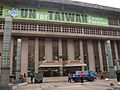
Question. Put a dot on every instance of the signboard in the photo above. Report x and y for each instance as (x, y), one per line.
(55, 16)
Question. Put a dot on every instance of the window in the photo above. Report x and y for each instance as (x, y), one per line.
(41, 49)
(31, 53)
(96, 55)
(85, 53)
(77, 49)
(55, 49)
(14, 56)
(64, 50)
(104, 55)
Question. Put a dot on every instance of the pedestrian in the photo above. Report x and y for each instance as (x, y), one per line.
(21, 78)
(102, 75)
(69, 77)
(32, 77)
(118, 75)
(24, 75)
(82, 77)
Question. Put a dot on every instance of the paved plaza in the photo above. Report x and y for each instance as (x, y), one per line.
(60, 83)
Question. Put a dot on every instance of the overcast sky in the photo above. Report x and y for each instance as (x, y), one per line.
(112, 3)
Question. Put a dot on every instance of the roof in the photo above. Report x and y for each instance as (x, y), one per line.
(66, 5)
(70, 2)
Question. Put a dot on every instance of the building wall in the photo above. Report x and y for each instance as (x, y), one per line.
(49, 56)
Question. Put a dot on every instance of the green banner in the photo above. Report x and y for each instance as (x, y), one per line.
(54, 16)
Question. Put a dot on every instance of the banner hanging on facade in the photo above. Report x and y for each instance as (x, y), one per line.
(54, 16)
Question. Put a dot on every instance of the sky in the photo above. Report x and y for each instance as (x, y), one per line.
(111, 3)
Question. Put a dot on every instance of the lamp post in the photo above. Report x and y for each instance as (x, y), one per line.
(18, 60)
(61, 67)
(117, 64)
(5, 65)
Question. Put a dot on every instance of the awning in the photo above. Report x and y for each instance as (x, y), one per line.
(74, 63)
(70, 63)
(50, 64)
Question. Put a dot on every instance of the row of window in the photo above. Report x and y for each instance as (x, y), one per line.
(62, 29)
(114, 21)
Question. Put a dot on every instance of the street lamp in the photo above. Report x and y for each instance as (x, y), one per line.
(117, 63)
(61, 67)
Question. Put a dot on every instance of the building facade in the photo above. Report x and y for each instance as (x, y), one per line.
(61, 37)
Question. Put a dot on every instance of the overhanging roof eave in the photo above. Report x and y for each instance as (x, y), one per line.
(72, 3)
(83, 4)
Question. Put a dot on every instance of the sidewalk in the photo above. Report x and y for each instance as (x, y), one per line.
(51, 79)
(56, 81)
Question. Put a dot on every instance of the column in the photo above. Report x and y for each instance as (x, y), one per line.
(5, 65)
(109, 58)
(71, 54)
(116, 55)
(60, 47)
(24, 56)
(1, 43)
(11, 55)
(100, 56)
(91, 55)
(60, 56)
(81, 52)
(36, 54)
(48, 49)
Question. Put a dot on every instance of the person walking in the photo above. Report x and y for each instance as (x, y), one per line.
(31, 76)
(69, 77)
(82, 77)
(118, 75)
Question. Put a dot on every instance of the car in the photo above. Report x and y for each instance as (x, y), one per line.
(88, 75)
(38, 78)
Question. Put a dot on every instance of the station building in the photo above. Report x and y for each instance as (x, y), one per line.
(61, 36)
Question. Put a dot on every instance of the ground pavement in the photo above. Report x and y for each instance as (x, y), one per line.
(60, 83)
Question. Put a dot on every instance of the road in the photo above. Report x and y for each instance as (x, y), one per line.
(62, 84)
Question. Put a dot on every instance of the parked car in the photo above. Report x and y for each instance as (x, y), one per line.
(88, 75)
(38, 78)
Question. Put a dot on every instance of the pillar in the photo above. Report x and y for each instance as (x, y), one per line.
(36, 54)
(91, 55)
(109, 58)
(81, 52)
(116, 55)
(11, 55)
(60, 56)
(5, 65)
(24, 56)
(100, 55)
